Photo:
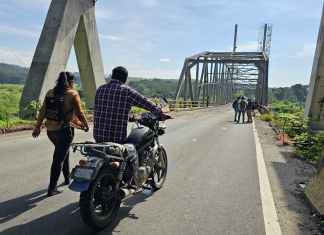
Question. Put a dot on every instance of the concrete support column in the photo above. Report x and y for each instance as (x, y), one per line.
(65, 20)
(315, 100)
(88, 55)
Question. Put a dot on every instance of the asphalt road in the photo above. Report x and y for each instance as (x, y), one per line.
(212, 185)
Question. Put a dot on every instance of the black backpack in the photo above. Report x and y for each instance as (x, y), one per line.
(242, 105)
(54, 108)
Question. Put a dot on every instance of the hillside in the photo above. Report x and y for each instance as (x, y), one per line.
(12, 74)
(155, 87)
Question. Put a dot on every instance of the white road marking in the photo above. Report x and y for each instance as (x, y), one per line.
(271, 222)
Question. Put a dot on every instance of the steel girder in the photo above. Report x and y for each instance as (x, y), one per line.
(212, 77)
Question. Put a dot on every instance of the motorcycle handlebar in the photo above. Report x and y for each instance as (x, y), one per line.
(162, 117)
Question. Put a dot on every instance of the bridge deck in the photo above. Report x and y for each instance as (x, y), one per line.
(212, 185)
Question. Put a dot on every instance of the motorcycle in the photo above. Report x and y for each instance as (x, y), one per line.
(109, 173)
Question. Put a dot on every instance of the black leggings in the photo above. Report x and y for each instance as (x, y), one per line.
(241, 113)
(62, 140)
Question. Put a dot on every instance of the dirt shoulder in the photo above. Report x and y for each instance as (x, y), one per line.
(288, 176)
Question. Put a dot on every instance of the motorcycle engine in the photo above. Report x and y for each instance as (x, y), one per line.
(146, 165)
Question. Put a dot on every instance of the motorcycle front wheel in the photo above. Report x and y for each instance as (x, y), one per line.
(99, 205)
(160, 169)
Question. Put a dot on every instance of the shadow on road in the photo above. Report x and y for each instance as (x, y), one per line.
(67, 220)
(14, 207)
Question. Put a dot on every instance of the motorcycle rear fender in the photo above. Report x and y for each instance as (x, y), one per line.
(78, 185)
(97, 164)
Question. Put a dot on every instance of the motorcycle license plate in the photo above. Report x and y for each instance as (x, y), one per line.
(83, 173)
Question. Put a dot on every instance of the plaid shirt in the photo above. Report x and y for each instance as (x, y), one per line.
(112, 106)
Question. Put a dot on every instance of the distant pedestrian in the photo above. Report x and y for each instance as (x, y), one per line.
(62, 110)
(235, 107)
(242, 106)
(249, 110)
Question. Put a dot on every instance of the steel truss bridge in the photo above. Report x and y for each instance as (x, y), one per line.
(214, 77)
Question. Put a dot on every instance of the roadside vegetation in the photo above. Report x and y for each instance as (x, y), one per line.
(288, 117)
(9, 106)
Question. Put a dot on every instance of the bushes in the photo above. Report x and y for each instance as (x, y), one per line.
(30, 112)
(266, 117)
(291, 123)
(309, 145)
(289, 117)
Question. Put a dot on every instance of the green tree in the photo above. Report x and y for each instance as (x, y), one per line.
(300, 92)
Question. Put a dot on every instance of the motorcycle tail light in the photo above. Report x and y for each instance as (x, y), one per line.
(82, 162)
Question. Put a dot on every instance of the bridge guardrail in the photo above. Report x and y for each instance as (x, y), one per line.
(172, 105)
(180, 105)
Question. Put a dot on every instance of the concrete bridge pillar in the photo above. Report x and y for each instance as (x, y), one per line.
(314, 108)
(68, 23)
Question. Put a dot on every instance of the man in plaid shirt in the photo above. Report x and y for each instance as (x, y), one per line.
(113, 103)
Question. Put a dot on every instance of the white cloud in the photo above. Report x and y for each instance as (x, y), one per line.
(14, 56)
(111, 37)
(165, 60)
(11, 30)
(307, 51)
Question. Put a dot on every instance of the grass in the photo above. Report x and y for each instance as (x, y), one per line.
(9, 99)
(15, 122)
(9, 106)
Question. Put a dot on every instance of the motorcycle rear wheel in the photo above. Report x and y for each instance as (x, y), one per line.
(160, 170)
(99, 205)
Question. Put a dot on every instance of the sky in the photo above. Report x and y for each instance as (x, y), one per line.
(151, 38)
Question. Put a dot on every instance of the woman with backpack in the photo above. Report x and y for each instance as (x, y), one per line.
(62, 110)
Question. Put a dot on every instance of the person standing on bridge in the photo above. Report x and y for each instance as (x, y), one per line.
(235, 107)
(242, 106)
(62, 110)
(249, 110)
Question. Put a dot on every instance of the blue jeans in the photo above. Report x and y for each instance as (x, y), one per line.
(236, 114)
